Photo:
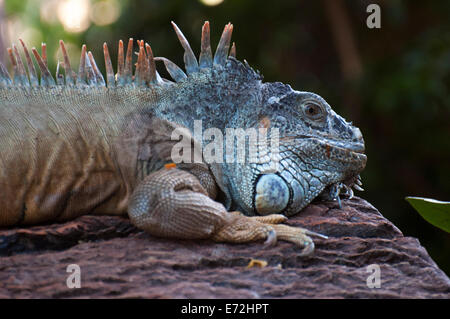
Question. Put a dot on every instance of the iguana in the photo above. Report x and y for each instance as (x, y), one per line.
(75, 144)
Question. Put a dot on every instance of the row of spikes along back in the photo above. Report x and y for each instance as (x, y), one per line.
(89, 75)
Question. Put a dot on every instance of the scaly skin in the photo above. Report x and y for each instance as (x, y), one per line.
(84, 148)
(58, 159)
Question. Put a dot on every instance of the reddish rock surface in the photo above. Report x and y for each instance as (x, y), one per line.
(117, 260)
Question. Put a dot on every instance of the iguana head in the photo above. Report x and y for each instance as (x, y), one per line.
(320, 153)
(310, 152)
(317, 152)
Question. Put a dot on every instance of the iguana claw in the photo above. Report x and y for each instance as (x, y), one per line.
(271, 239)
(308, 250)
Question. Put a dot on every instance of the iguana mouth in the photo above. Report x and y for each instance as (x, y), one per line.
(334, 149)
(356, 147)
(353, 151)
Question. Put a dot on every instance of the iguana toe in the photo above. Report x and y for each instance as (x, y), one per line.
(241, 229)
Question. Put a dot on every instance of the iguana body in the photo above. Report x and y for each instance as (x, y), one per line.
(81, 147)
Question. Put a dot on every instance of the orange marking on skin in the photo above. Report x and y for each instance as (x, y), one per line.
(264, 124)
(170, 165)
(328, 150)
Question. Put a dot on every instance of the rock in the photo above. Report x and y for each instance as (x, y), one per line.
(117, 260)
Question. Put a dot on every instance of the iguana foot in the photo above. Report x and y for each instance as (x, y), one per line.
(243, 229)
(173, 203)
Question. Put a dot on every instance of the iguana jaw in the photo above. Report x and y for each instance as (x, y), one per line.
(309, 167)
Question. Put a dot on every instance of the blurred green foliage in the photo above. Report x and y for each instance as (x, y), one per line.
(401, 101)
(435, 212)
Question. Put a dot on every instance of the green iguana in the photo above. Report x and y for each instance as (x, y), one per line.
(74, 145)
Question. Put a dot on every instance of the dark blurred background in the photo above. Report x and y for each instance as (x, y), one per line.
(392, 82)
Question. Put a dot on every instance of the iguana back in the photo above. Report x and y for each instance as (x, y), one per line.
(57, 154)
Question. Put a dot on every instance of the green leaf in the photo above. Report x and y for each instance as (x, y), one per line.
(433, 211)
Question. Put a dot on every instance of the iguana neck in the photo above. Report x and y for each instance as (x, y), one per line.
(213, 96)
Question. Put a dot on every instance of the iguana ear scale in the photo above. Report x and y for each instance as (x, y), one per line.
(190, 60)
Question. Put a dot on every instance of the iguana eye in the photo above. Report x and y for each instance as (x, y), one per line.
(313, 111)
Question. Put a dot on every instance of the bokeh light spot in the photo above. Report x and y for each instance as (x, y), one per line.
(105, 12)
(47, 11)
(211, 2)
(74, 15)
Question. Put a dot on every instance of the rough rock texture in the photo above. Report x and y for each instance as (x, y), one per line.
(117, 260)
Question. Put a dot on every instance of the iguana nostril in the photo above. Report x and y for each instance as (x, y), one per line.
(357, 136)
(271, 194)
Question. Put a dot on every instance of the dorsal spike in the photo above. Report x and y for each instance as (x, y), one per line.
(46, 77)
(151, 64)
(13, 61)
(141, 65)
(233, 50)
(58, 76)
(90, 73)
(120, 64)
(205, 59)
(5, 78)
(128, 71)
(70, 75)
(108, 65)
(224, 45)
(160, 80)
(146, 65)
(190, 60)
(98, 76)
(44, 53)
(31, 70)
(81, 79)
(174, 70)
(20, 75)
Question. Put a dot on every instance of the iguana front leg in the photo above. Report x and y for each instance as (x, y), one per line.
(173, 203)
